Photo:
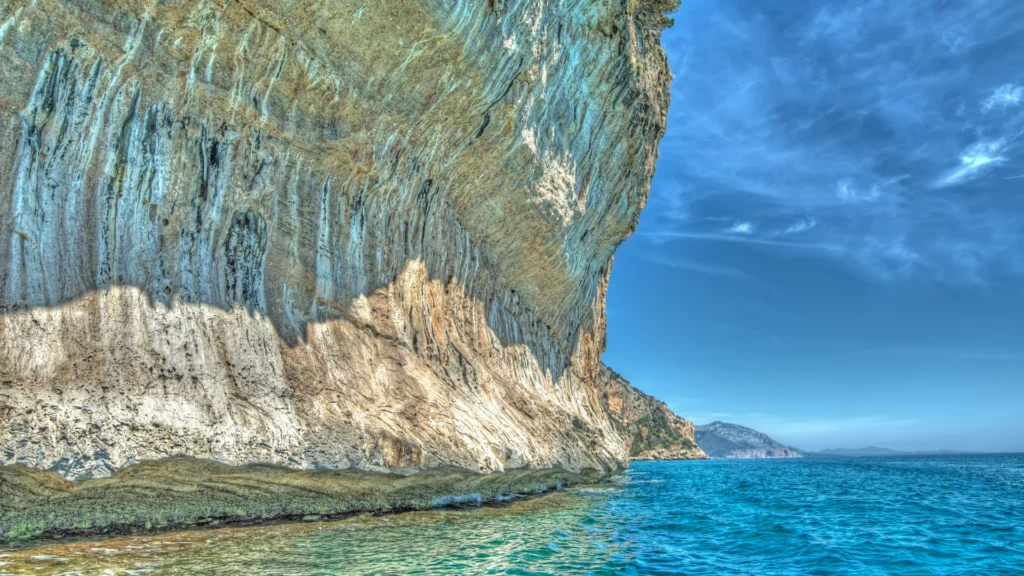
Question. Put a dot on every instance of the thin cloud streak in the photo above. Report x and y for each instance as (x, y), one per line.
(979, 355)
(664, 259)
(797, 227)
(741, 240)
(977, 158)
(811, 433)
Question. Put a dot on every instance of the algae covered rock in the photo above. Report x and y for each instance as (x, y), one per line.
(186, 492)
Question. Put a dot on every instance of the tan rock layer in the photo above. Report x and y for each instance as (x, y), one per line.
(319, 234)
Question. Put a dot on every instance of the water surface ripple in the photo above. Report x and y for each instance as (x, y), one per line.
(919, 515)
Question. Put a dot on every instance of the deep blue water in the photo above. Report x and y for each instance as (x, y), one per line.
(919, 515)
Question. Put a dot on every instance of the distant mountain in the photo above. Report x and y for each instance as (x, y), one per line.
(877, 451)
(858, 452)
(723, 440)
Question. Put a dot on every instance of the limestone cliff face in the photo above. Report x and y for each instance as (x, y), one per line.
(318, 234)
(652, 431)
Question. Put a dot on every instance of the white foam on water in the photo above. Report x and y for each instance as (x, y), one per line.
(452, 500)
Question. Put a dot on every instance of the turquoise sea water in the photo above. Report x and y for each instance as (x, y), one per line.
(918, 515)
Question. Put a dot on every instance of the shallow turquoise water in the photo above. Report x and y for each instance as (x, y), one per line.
(942, 515)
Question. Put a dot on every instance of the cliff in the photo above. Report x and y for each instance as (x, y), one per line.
(318, 235)
(651, 430)
(724, 440)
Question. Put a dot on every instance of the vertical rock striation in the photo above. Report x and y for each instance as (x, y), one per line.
(317, 234)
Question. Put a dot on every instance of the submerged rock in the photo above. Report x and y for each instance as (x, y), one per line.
(317, 235)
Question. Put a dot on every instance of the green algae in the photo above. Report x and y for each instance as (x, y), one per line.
(400, 542)
(177, 493)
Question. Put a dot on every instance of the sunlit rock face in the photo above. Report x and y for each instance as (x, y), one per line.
(320, 234)
(651, 430)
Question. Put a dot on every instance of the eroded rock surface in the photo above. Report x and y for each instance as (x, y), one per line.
(317, 234)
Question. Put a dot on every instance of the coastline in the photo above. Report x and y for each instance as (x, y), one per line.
(184, 493)
(660, 518)
(668, 455)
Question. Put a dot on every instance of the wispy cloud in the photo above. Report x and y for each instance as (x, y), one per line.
(817, 426)
(1006, 96)
(723, 237)
(848, 193)
(691, 265)
(976, 159)
(960, 353)
(802, 225)
(740, 228)
(891, 151)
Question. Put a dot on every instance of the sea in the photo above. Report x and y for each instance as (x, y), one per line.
(905, 515)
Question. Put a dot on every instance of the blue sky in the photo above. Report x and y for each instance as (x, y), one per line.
(833, 250)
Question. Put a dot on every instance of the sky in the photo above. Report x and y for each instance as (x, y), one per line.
(833, 249)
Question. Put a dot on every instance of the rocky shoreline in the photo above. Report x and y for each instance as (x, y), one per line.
(182, 493)
(671, 454)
